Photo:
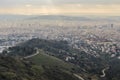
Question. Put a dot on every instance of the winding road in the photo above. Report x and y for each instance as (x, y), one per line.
(103, 72)
(76, 75)
(37, 52)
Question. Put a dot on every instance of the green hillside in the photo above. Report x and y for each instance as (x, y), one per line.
(43, 59)
(52, 56)
(16, 69)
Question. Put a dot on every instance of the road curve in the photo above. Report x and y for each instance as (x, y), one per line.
(103, 72)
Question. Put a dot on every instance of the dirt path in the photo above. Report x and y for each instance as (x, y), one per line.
(37, 52)
(79, 77)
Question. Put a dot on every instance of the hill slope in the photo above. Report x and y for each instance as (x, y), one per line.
(15, 69)
(44, 59)
(54, 53)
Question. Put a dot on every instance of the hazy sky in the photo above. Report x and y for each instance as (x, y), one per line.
(61, 7)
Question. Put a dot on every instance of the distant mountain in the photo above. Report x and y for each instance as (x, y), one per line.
(13, 17)
(59, 17)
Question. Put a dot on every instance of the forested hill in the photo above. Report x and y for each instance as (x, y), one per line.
(28, 47)
(16, 69)
(60, 52)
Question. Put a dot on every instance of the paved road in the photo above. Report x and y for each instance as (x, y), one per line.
(79, 77)
(103, 72)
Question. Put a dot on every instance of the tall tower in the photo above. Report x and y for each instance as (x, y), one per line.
(112, 25)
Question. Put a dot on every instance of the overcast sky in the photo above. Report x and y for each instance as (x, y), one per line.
(61, 7)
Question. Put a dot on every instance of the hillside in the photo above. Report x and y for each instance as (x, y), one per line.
(61, 50)
(15, 69)
(59, 54)
(47, 60)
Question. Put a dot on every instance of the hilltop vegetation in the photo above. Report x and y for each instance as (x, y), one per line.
(44, 59)
(53, 56)
(61, 50)
(15, 69)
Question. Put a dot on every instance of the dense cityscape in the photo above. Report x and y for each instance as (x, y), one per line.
(103, 36)
(91, 45)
